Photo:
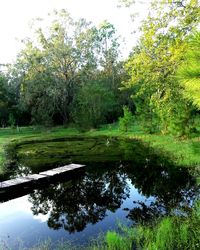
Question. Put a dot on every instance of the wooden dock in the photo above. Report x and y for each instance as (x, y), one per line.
(34, 179)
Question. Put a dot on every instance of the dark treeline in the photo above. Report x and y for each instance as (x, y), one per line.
(70, 73)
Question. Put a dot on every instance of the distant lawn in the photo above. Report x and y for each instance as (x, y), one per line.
(184, 152)
(7, 135)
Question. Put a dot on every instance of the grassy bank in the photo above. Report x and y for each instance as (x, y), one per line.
(174, 232)
(183, 152)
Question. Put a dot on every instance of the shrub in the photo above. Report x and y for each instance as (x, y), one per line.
(125, 121)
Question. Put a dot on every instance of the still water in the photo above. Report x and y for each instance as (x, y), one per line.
(94, 201)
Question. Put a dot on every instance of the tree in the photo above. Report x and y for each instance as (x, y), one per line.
(52, 67)
(8, 102)
(108, 49)
(3, 101)
(91, 105)
(126, 120)
(55, 66)
(189, 71)
(154, 61)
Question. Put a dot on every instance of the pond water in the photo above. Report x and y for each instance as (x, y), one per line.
(116, 186)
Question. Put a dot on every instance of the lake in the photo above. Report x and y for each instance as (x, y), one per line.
(124, 181)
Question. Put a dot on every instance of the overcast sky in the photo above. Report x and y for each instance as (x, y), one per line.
(15, 16)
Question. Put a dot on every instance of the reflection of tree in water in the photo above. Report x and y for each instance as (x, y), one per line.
(154, 174)
(172, 187)
(72, 205)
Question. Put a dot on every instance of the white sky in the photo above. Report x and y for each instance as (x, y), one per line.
(15, 16)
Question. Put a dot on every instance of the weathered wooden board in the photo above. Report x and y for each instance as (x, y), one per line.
(24, 181)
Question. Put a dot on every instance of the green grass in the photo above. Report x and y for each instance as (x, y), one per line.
(169, 233)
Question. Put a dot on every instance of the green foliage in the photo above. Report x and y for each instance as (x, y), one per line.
(55, 65)
(115, 241)
(91, 106)
(189, 71)
(3, 101)
(64, 59)
(181, 121)
(11, 120)
(173, 233)
(154, 61)
(176, 232)
(9, 110)
(50, 71)
(126, 121)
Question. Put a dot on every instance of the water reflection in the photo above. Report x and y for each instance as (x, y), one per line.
(173, 187)
(85, 200)
(72, 205)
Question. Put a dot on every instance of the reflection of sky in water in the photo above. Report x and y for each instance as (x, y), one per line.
(106, 189)
(17, 223)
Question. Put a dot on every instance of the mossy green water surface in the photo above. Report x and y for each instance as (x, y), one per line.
(54, 146)
(36, 156)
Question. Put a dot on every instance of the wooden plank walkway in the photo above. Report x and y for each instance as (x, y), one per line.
(23, 182)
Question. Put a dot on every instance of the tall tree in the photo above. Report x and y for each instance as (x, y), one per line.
(154, 61)
(4, 107)
(53, 64)
(9, 110)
